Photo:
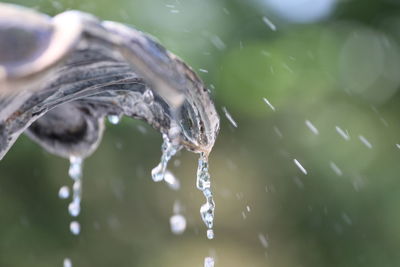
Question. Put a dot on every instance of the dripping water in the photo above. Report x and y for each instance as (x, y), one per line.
(63, 193)
(203, 183)
(67, 262)
(169, 149)
(208, 262)
(74, 208)
(75, 227)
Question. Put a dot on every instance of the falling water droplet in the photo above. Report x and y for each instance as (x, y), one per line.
(263, 240)
(171, 180)
(75, 227)
(208, 262)
(210, 234)
(75, 172)
(168, 150)
(300, 166)
(335, 168)
(178, 224)
(63, 193)
(269, 23)
(67, 262)
(312, 128)
(75, 168)
(346, 219)
(217, 42)
(114, 119)
(365, 141)
(269, 103)
(342, 133)
(74, 208)
(203, 183)
(278, 132)
(229, 117)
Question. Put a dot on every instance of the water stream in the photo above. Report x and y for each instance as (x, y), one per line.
(203, 181)
(74, 208)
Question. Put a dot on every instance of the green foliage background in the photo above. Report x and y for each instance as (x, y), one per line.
(343, 71)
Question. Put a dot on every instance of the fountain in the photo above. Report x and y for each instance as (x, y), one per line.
(61, 77)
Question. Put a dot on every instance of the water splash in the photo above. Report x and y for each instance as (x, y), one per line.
(169, 149)
(203, 183)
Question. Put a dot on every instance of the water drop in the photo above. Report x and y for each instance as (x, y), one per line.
(346, 219)
(312, 128)
(74, 208)
(203, 183)
(75, 227)
(177, 207)
(157, 173)
(229, 117)
(67, 262)
(210, 234)
(226, 11)
(263, 240)
(114, 119)
(208, 262)
(63, 193)
(75, 172)
(335, 168)
(342, 133)
(217, 42)
(300, 166)
(178, 224)
(278, 132)
(269, 103)
(269, 23)
(168, 150)
(75, 168)
(365, 141)
(171, 180)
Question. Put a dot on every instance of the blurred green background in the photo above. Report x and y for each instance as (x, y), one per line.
(333, 63)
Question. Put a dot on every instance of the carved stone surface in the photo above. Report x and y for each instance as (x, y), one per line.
(59, 78)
